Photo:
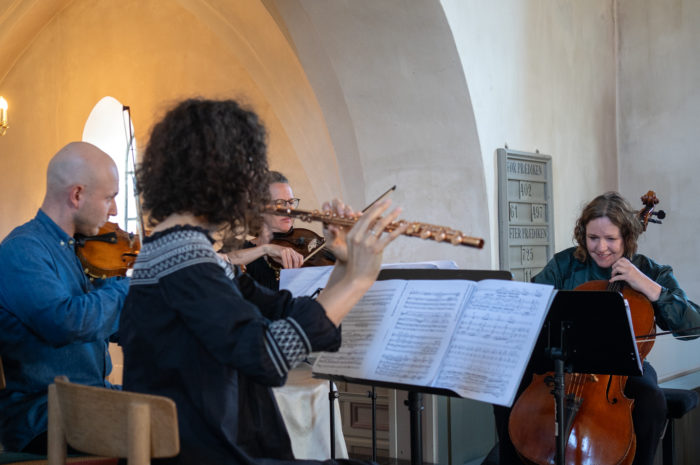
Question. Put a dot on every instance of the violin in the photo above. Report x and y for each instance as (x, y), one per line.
(111, 252)
(305, 242)
(600, 428)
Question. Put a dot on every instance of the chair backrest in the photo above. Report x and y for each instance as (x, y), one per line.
(2, 376)
(110, 423)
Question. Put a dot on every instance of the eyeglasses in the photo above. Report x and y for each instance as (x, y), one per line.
(281, 203)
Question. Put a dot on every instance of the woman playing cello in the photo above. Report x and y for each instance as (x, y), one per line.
(606, 244)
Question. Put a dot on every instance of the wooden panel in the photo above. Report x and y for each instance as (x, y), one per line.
(356, 415)
(361, 416)
(358, 451)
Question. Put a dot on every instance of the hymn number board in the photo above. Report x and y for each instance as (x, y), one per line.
(526, 224)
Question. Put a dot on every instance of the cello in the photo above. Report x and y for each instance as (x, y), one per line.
(599, 428)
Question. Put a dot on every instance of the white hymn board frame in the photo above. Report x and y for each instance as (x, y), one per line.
(525, 213)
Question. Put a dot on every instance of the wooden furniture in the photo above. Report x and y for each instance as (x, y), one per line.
(21, 458)
(110, 423)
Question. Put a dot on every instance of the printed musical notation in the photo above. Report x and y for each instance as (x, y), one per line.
(418, 325)
(473, 338)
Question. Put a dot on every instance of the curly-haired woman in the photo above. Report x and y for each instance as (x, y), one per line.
(215, 345)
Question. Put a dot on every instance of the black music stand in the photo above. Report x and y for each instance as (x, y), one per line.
(586, 332)
(415, 393)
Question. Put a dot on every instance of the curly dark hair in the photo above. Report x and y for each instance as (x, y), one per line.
(619, 212)
(207, 158)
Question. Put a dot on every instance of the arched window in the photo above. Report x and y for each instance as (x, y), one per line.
(109, 127)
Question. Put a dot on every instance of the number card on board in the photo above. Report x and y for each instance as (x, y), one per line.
(526, 223)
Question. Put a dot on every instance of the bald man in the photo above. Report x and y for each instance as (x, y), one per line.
(53, 319)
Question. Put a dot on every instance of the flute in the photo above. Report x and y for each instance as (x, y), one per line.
(415, 229)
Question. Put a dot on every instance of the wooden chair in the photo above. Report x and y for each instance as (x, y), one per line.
(23, 458)
(20, 458)
(110, 423)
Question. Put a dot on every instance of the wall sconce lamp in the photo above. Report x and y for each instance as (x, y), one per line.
(3, 116)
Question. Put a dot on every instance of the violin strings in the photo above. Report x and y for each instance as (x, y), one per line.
(583, 379)
(318, 249)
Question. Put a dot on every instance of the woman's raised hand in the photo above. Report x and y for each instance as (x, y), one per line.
(335, 235)
(359, 255)
(362, 247)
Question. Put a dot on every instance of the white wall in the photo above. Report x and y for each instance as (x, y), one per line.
(389, 81)
(541, 75)
(659, 119)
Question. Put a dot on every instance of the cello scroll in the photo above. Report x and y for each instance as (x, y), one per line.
(645, 214)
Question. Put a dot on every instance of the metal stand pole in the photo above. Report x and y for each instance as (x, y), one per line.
(332, 396)
(558, 354)
(373, 395)
(415, 405)
(560, 396)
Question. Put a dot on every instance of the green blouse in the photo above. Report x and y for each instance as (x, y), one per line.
(673, 310)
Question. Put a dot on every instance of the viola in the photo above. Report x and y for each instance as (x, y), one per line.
(600, 428)
(305, 242)
(111, 252)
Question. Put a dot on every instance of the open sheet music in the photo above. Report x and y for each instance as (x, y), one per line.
(472, 338)
(305, 281)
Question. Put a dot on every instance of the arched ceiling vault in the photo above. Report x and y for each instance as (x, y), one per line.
(367, 93)
(20, 22)
(255, 39)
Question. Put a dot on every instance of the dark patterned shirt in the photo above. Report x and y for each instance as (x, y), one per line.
(215, 346)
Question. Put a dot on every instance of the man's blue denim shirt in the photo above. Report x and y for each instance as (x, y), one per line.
(53, 321)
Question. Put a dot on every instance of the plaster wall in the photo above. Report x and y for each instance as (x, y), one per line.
(389, 81)
(659, 117)
(541, 76)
